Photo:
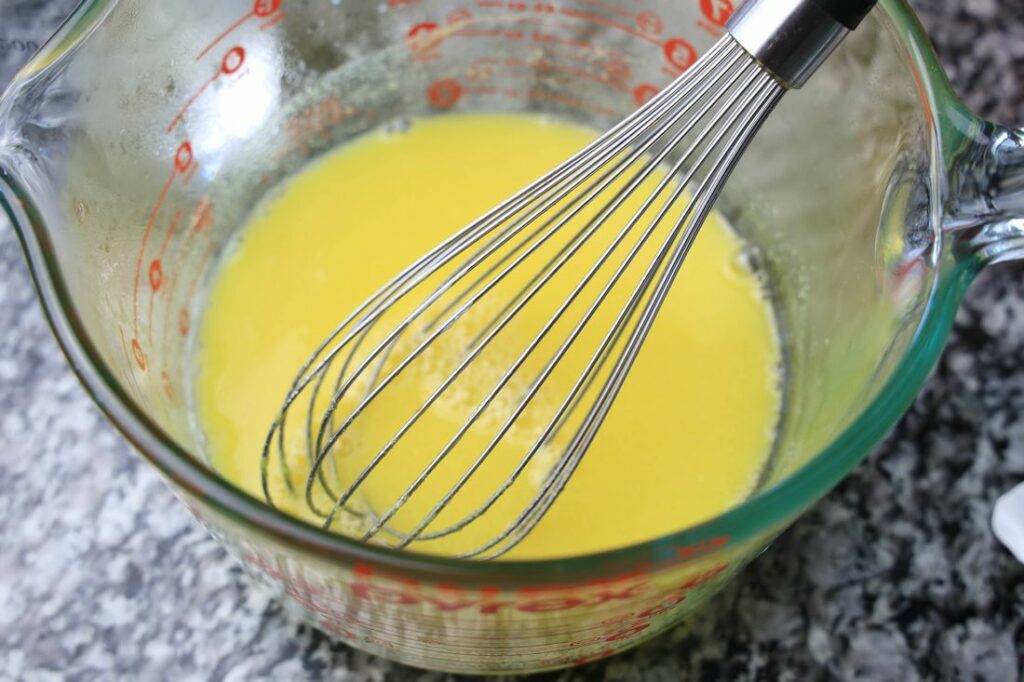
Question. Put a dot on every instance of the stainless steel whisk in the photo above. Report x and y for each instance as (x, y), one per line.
(494, 269)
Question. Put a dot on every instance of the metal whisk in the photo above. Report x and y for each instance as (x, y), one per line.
(625, 212)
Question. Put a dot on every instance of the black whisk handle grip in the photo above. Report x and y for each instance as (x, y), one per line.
(849, 13)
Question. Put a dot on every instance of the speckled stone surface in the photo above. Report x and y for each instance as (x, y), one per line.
(894, 576)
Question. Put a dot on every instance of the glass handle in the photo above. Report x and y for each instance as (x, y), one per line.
(986, 193)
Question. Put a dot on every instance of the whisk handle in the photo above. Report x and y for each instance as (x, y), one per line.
(849, 13)
(791, 38)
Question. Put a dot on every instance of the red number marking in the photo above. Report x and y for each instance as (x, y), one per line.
(233, 60)
(680, 53)
(184, 322)
(130, 356)
(444, 93)
(140, 357)
(156, 275)
(717, 11)
(182, 159)
(202, 217)
(650, 23)
(261, 9)
(265, 8)
(424, 37)
(156, 272)
(643, 93)
(168, 387)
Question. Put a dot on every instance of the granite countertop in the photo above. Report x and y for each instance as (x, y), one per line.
(894, 576)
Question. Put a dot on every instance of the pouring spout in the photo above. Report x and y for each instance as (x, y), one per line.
(986, 194)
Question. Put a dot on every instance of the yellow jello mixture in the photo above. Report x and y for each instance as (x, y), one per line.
(687, 438)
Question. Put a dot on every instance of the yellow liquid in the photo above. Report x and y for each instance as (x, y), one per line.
(686, 439)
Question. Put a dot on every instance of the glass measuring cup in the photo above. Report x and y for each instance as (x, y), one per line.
(134, 145)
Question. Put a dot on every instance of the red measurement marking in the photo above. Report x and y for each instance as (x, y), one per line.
(156, 272)
(193, 169)
(444, 93)
(233, 60)
(603, 21)
(225, 34)
(680, 53)
(265, 8)
(181, 114)
(644, 93)
(492, 33)
(541, 37)
(156, 275)
(261, 9)
(170, 232)
(650, 23)
(424, 37)
(717, 11)
(395, 4)
(184, 322)
(231, 63)
(484, 70)
(315, 122)
(459, 16)
(202, 217)
(274, 21)
(703, 547)
(579, 73)
(168, 386)
(182, 159)
(140, 357)
(131, 358)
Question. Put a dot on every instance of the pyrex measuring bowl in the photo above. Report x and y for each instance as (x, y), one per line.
(136, 142)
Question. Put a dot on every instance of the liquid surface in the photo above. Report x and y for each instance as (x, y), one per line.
(687, 438)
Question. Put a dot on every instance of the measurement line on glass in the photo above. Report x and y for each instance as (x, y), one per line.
(270, 10)
(426, 37)
(230, 64)
(202, 219)
(552, 67)
(182, 160)
(159, 280)
(156, 270)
